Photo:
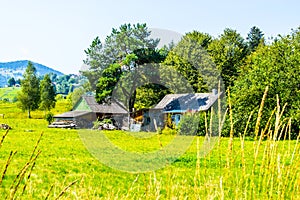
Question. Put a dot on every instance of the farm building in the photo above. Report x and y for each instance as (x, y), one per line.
(87, 110)
(176, 105)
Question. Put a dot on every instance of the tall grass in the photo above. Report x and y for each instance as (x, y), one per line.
(270, 169)
(266, 166)
(20, 183)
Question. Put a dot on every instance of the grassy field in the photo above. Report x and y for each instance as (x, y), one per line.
(62, 168)
(9, 93)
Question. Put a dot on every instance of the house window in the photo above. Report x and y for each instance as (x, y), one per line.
(176, 119)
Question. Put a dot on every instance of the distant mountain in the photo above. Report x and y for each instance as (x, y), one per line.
(16, 69)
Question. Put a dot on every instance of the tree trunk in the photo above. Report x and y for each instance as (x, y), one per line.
(29, 113)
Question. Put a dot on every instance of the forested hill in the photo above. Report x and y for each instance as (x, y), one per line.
(17, 68)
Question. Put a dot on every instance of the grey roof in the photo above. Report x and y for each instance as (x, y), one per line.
(72, 114)
(112, 108)
(184, 102)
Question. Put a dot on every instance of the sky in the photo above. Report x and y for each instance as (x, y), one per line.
(55, 33)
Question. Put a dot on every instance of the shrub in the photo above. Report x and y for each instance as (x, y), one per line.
(188, 124)
(49, 117)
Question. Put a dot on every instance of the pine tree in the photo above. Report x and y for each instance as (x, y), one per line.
(47, 94)
(29, 97)
(11, 82)
(254, 38)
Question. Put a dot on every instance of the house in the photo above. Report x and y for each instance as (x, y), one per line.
(176, 105)
(87, 110)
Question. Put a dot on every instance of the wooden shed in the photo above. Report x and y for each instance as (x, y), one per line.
(82, 119)
(87, 110)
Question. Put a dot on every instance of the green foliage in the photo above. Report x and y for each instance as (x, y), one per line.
(11, 82)
(169, 123)
(254, 39)
(126, 63)
(29, 97)
(194, 124)
(249, 166)
(277, 66)
(49, 117)
(151, 90)
(228, 52)
(98, 123)
(119, 44)
(110, 76)
(67, 83)
(47, 94)
(188, 124)
(149, 95)
(75, 95)
(201, 39)
(96, 60)
(186, 70)
(5, 100)
(127, 39)
(194, 64)
(167, 131)
(190, 59)
(9, 93)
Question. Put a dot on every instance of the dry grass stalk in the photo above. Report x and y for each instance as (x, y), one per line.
(66, 188)
(17, 181)
(230, 143)
(259, 115)
(11, 155)
(3, 137)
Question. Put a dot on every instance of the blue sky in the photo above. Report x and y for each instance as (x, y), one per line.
(56, 33)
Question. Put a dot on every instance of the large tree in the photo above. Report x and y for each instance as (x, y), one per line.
(96, 61)
(29, 96)
(11, 82)
(124, 50)
(192, 61)
(228, 53)
(47, 94)
(278, 67)
(133, 80)
(120, 43)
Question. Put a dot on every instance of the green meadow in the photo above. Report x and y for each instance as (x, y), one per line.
(9, 93)
(41, 163)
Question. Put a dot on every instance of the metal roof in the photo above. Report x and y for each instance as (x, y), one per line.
(72, 114)
(112, 108)
(183, 102)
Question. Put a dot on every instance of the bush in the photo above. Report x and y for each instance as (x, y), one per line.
(168, 131)
(14, 100)
(49, 117)
(189, 124)
(99, 123)
(5, 100)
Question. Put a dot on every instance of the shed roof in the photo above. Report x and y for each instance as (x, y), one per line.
(72, 114)
(184, 102)
(112, 108)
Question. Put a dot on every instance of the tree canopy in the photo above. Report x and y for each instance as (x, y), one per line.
(278, 67)
(190, 59)
(198, 62)
(228, 53)
(120, 43)
(254, 38)
(125, 49)
(11, 82)
(29, 97)
(47, 94)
